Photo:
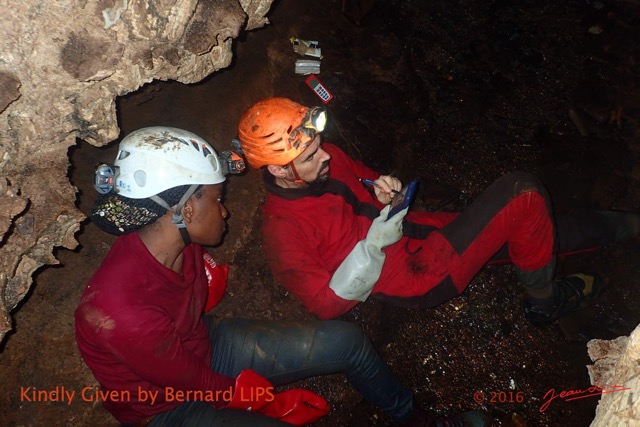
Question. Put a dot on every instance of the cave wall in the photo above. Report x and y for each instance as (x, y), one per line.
(616, 374)
(62, 65)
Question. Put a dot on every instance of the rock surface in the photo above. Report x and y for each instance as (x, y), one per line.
(616, 371)
(62, 64)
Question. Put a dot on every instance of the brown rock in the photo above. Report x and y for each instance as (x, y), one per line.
(9, 90)
(617, 371)
(62, 65)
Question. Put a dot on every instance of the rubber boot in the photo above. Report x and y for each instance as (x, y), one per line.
(571, 293)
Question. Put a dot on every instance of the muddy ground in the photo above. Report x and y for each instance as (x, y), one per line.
(454, 94)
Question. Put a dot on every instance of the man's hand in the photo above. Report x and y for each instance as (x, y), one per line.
(385, 188)
(383, 232)
(357, 275)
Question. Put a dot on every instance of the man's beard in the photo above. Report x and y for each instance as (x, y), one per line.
(321, 179)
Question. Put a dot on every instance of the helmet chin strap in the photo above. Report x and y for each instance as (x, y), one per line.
(185, 235)
(177, 219)
(295, 174)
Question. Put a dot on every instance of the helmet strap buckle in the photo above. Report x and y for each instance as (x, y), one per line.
(177, 218)
(297, 180)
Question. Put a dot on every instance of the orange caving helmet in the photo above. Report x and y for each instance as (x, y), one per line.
(274, 131)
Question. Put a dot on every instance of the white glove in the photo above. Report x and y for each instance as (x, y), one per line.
(360, 270)
(385, 232)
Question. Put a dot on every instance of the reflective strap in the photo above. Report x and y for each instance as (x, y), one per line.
(177, 215)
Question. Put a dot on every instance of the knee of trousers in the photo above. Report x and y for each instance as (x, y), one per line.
(523, 182)
(345, 334)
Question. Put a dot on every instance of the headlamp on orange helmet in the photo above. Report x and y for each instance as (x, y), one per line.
(313, 123)
(315, 119)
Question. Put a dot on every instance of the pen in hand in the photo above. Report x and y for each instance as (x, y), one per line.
(373, 184)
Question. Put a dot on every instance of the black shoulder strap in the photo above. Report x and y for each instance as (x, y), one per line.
(339, 188)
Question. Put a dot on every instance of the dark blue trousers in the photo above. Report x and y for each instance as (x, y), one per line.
(288, 351)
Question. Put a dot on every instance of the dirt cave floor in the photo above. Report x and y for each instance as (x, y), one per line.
(453, 94)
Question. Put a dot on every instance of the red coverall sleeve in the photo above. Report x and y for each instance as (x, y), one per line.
(147, 342)
(298, 267)
(349, 167)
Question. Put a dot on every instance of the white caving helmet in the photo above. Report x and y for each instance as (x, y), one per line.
(154, 159)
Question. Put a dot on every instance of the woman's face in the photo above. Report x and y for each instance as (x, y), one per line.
(208, 219)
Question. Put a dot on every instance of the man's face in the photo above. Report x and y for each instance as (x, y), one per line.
(313, 164)
(207, 223)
